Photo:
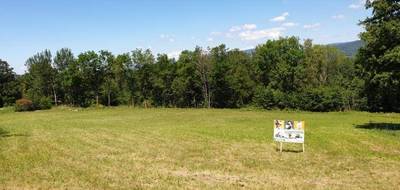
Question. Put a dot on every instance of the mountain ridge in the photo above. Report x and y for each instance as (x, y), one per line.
(350, 48)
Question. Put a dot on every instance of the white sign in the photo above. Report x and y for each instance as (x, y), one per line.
(289, 131)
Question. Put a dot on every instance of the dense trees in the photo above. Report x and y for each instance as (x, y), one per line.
(309, 77)
(281, 74)
(9, 86)
(380, 57)
(41, 80)
(280, 67)
(187, 86)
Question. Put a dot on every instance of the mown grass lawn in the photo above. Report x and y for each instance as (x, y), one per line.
(126, 148)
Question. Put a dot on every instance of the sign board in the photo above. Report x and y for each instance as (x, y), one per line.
(289, 131)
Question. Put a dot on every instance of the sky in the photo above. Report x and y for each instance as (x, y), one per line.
(168, 26)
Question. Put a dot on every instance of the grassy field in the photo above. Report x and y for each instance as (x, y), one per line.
(125, 148)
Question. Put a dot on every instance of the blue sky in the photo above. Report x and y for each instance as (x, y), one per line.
(168, 26)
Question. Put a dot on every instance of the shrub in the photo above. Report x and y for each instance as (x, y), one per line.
(23, 105)
(43, 103)
(264, 98)
(322, 99)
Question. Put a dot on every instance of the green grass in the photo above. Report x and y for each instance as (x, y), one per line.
(125, 148)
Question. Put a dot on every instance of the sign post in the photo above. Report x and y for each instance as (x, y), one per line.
(289, 132)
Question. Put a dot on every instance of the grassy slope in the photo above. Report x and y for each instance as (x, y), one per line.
(122, 148)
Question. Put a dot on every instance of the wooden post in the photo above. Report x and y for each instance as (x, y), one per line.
(303, 146)
(281, 147)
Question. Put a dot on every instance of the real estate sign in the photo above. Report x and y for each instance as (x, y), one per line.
(289, 131)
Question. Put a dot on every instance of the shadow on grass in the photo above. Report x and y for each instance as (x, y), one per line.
(380, 126)
(6, 134)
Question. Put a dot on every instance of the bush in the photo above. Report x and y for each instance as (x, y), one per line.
(322, 99)
(43, 103)
(24, 105)
(264, 98)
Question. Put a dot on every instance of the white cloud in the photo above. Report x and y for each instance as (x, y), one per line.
(216, 33)
(174, 54)
(249, 27)
(312, 26)
(354, 6)
(271, 33)
(243, 27)
(167, 37)
(338, 17)
(229, 35)
(235, 29)
(289, 24)
(210, 39)
(357, 5)
(280, 18)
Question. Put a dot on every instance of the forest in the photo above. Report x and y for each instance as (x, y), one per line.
(279, 74)
(286, 73)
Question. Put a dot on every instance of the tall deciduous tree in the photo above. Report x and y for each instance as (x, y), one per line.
(9, 89)
(41, 78)
(380, 57)
(62, 61)
(164, 72)
(241, 77)
(280, 66)
(93, 72)
(125, 61)
(111, 72)
(144, 64)
(221, 89)
(187, 86)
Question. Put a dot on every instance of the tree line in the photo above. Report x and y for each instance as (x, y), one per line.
(279, 74)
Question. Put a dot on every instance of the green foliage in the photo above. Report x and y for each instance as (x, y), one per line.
(241, 78)
(164, 75)
(93, 69)
(24, 105)
(186, 86)
(43, 103)
(143, 62)
(63, 62)
(279, 63)
(279, 74)
(380, 57)
(222, 92)
(9, 88)
(322, 99)
(264, 97)
(40, 77)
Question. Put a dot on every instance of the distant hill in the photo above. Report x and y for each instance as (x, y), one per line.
(349, 48)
